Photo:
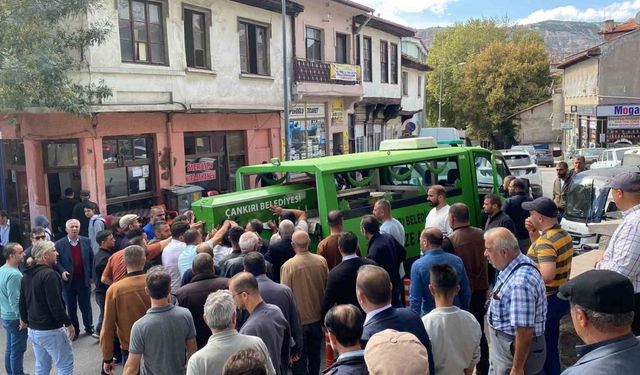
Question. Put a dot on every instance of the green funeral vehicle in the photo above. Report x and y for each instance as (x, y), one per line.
(401, 171)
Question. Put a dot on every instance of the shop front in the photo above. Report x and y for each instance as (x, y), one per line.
(622, 122)
(307, 131)
(212, 158)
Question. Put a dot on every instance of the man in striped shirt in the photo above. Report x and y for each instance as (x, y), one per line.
(552, 250)
(623, 253)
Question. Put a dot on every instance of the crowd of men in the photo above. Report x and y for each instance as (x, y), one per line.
(176, 300)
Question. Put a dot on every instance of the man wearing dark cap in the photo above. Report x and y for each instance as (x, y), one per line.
(602, 312)
(623, 252)
(552, 250)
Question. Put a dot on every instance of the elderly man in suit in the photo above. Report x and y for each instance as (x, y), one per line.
(75, 265)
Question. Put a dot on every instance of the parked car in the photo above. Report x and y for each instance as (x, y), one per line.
(521, 165)
(631, 158)
(544, 157)
(611, 157)
(589, 201)
(530, 149)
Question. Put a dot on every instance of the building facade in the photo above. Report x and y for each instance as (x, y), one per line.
(197, 93)
(327, 78)
(600, 86)
(377, 116)
(413, 80)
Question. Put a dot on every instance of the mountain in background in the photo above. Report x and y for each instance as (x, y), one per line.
(563, 38)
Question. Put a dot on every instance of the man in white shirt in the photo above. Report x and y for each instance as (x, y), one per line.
(455, 334)
(382, 212)
(172, 252)
(438, 217)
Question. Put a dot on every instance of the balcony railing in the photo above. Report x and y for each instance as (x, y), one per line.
(323, 72)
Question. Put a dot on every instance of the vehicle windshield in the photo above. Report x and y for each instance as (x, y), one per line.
(631, 160)
(620, 153)
(593, 153)
(517, 160)
(586, 200)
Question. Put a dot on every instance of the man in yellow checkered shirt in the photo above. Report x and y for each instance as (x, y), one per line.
(552, 250)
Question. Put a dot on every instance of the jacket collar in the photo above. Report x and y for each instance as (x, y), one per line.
(203, 276)
(611, 347)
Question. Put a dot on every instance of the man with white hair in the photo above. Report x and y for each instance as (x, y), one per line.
(249, 241)
(517, 308)
(43, 311)
(282, 250)
(220, 316)
(76, 268)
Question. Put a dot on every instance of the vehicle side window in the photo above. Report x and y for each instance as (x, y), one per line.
(445, 172)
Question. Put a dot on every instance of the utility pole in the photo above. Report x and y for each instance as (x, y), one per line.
(285, 72)
(440, 95)
(440, 100)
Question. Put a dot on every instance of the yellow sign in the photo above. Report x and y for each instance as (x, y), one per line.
(345, 142)
(345, 72)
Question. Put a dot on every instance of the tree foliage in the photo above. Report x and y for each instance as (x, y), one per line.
(504, 78)
(41, 42)
(451, 47)
(505, 69)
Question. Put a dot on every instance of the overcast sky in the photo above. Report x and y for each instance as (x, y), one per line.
(427, 13)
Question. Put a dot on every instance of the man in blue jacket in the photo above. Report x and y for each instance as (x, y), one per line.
(373, 289)
(602, 312)
(75, 266)
(431, 246)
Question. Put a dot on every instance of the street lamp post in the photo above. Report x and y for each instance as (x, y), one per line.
(440, 95)
(285, 74)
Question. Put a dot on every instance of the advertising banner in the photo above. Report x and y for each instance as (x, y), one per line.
(345, 72)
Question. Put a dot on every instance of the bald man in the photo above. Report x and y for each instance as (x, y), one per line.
(306, 274)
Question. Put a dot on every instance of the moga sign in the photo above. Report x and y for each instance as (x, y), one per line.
(618, 110)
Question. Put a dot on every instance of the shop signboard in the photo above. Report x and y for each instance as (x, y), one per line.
(616, 110)
(202, 170)
(627, 122)
(345, 72)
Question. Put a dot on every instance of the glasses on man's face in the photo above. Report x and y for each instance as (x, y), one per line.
(39, 237)
(234, 295)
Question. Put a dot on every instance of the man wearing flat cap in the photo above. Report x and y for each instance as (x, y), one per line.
(602, 312)
(552, 251)
(623, 253)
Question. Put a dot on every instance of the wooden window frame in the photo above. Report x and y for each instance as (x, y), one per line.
(367, 63)
(320, 40)
(384, 61)
(206, 13)
(346, 48)
(267, 50)
(163, 15)
(393, 63)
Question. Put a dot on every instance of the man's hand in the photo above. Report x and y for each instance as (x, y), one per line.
(294, 358)
(276, 209)
(533, 232)
(211, 234)
(272, 225)
(23, 325)
(108, 367)
(65, 276)
(71, 332)
(516, 372)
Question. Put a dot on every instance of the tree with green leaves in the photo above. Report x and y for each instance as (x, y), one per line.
(41, 43)
(489, 71)
(450, 49)
(502, 79)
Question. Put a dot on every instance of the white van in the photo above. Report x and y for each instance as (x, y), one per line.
(611, 157)
(631, 158)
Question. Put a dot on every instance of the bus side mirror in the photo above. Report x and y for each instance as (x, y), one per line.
(556, 153)
(612, 207)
